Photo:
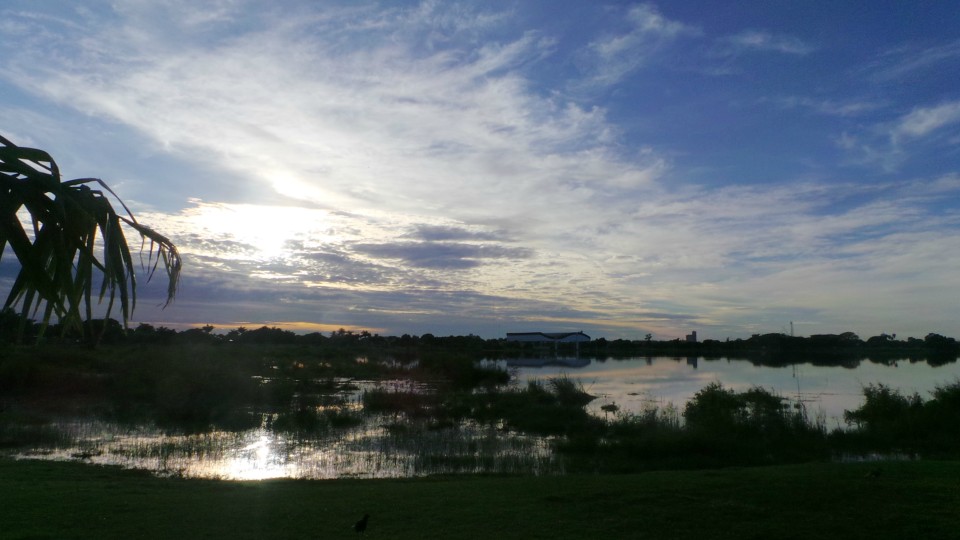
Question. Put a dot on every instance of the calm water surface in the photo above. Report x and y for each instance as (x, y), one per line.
(380, 446)
(637, 383)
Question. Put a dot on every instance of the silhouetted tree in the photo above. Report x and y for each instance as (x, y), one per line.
(74, 233)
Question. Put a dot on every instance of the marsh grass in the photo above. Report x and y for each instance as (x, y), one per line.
(430, 416)
(411, 402)
(17, 430)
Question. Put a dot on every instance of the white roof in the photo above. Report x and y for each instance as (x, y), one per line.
(563, 337)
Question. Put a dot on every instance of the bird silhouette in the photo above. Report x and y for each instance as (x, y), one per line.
(361, 525)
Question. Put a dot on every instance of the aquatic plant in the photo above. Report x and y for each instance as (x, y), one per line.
(411, 402)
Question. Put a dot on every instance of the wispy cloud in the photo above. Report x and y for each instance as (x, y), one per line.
(889, 143)
(412, 118)
(829, 107)
(609, 59)
(761, 40)
(906, 60)
(924, 120)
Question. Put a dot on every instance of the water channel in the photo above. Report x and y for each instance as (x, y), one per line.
(382, 446)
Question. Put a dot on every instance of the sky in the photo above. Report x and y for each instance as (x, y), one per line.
(489, 167)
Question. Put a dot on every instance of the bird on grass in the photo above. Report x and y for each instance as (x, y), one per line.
(361, 525)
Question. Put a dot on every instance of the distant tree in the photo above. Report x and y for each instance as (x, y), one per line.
(945, 348)
(271, 335)
(236, 334)
(936, 340)
(74, 234)
(883, 340)
(849, 337)
(198, 335)
(344, 337)
(313, 338)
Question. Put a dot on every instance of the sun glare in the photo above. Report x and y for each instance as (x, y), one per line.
(256, 461)
(259, 232)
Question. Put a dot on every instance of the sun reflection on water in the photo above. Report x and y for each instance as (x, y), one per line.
(256, 461)
(370, 450)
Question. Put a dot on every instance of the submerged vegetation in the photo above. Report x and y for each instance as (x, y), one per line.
(303, 390)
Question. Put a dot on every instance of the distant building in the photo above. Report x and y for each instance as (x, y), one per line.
(548, 337)
(692, 337)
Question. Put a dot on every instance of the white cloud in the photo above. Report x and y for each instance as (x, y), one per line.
(609, 59)
(890, 143)
(924, 120)
(760, 40)
(376, 125)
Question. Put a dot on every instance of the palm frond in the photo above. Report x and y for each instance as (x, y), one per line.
(75, 234)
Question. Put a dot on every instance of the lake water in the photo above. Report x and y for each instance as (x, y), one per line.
(381, 446)
(637, 383)
(371, 450)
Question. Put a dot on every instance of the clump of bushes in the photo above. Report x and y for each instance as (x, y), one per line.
(889, 421)
(720, 427)
(460, 372)
(554, 407)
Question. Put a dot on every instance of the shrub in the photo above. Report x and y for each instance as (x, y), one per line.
(884, 409)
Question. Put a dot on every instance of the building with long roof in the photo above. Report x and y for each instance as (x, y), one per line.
(548, 337)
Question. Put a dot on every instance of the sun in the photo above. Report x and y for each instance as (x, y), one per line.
(257, 232)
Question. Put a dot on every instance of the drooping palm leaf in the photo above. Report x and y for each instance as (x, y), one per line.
(75, 235)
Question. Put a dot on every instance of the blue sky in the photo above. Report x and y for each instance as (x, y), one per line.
(617, 168)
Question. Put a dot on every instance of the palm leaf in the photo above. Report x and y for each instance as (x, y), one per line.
(76, 235)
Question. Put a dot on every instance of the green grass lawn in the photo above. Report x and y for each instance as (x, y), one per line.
(823, 500)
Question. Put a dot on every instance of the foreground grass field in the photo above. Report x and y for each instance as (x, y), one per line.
(824, 500)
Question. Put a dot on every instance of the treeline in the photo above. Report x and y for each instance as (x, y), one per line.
(767, 349)
(15, 329)
(778, 348)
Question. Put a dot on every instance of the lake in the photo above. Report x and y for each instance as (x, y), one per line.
(636, 383)
(388, 446)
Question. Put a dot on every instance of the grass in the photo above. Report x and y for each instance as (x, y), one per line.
(820, 500)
